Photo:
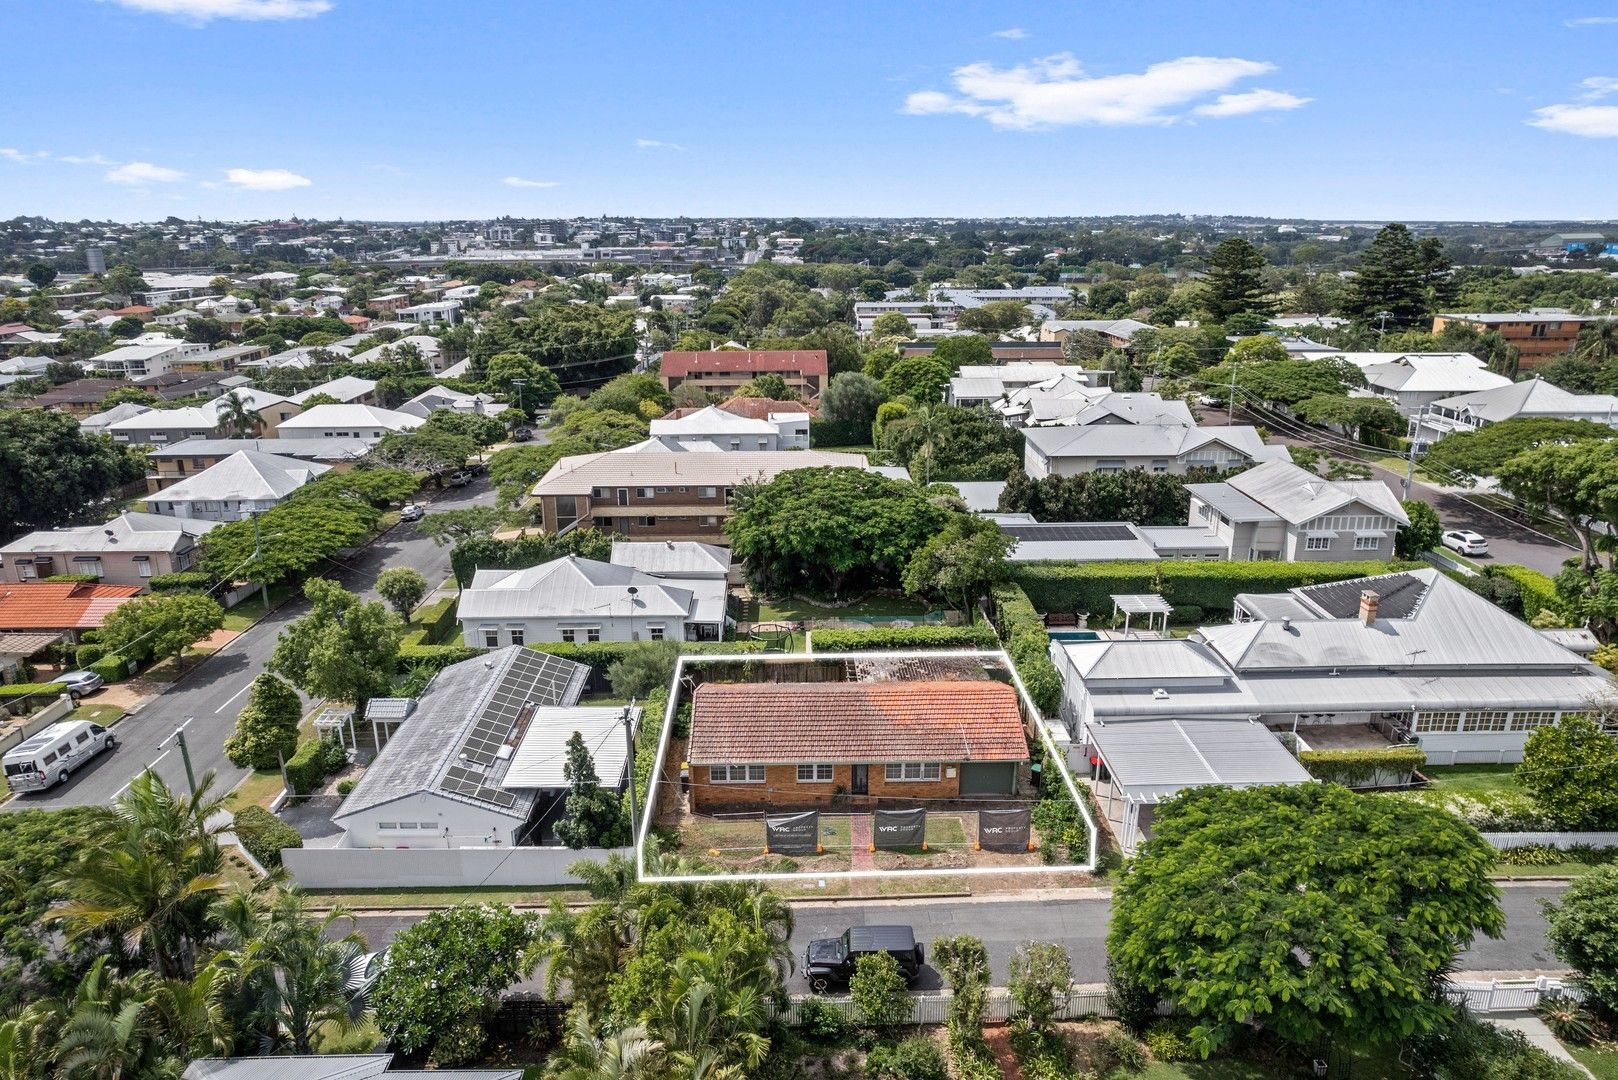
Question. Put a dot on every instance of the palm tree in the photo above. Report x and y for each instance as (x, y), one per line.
(25, 1043)
(584, 950)
(1598, 342)
(706, 1014)
(193, 1014)
(628, 1055)
(154, 880)
(106, 1030)
(237, 417)
(930, 426)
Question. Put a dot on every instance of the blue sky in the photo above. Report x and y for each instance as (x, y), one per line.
(137, 109)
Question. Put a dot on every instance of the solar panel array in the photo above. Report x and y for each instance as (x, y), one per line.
(530, 677)
(1069, 532)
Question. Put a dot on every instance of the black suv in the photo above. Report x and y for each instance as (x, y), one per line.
(830, 962)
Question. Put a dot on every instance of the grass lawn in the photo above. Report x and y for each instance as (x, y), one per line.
(1473, 779)
(256, 789)
(104, 715)
(355, 899)
(790, 610)
(1368, 1065)
(252, 609)
(1601, 1060)
(1550, 870)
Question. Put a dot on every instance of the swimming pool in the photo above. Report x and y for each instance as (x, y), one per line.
(1074, 635)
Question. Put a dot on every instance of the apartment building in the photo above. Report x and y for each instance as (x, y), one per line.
(725, 371)
(1538, 334)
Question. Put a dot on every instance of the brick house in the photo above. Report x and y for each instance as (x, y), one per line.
(724, 371)
(802, 745)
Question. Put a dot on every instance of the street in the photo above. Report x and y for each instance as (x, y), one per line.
(213, 692)
(1078, 925)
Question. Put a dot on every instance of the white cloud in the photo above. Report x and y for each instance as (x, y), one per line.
(88, 159)
(201, 11)
(517, 181)
(22, 157)
(266, 179)
(1251, 101)
(1598, 86)
(656, 144)
(1054, 90)
(144, 172)
(1588, 121)
(1593, 20)
(1011, 33)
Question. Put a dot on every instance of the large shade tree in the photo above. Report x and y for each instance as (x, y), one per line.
(344, 649)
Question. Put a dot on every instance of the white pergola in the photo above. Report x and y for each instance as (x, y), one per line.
(1150, 605)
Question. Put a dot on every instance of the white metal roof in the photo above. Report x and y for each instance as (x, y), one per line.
(1154, 759)
(351, 416)
(581, 472)
(129, 531)
(246, 474)
(539, 758)
(672, 558)
(572, 586)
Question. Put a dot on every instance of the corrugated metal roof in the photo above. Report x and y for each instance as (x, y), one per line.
(296, 1067)
(672, 558)
(571, 586)
(351, 416)
(578, 474)
(246, 474)
(542, 754)
(1154, 759)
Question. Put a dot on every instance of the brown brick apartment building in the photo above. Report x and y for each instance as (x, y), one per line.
(795, 746)
(1538, 335)
(724, 371)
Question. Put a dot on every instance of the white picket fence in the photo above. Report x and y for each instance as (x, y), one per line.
(1498, 996)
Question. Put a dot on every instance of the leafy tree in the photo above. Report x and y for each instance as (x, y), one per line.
(920, 378)
(881, 997)
(539, 388)
(892, 324)
(1236, 280)
(482, 430)
(643, 667)
(402, 587)
(1571, 769)
(344, 649)
(1575, 483)
(829, 531)
(1392, 276)
(1422, 534)
(592, 817)
(162, 624)
(133, 395)
(1355, 415)
(1257, 349)
(1040, 971)
(1131, 495)
(1283, 382)
(963, 560)
(486, 553)
(995, 316)
(368, 483)
(954, 443)
(964, 962)
(1231, 912)
(319, 399)
(267, 727)
(1583, 932)
(126, 327)
(689, 395)
(769, 385)
(206, 331)
(427, 449)
(67, 469)
(957, 352)
(452, 526)
(40, 274)
(1472, 455)
(625, 393)
(851, 397)
(444, 976)
(294, 538)
(37, 847)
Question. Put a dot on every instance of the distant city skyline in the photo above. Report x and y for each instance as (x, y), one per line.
(413, 110)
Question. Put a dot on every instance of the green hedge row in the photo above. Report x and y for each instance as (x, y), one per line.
(1538, 591)
(76, 578)
(438, 619)
(978, 636)
(1023, 631)
(646, 739)
(1209, 586)
(181, 581)
(314, 760)
(264, 835)
(599, 654)
(28, 689)
(1358, 768)
(838, 433)
(114, 668)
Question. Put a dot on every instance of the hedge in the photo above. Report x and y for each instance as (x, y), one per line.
(1023, 631)
(1538, 591)
(646, 739)
(181, 581)
(978, 636)
(597, 654)
(87, 654)
(306, 768)
(112, 668)
(29, 689)
(264, 835)
(77, 578)
(438, 619)
(437, 657)
(1210, 586)
(1360, 768)
(838, 433)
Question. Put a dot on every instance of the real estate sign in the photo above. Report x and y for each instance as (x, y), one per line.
(1003, 830)
(899, 828)
(793, 834)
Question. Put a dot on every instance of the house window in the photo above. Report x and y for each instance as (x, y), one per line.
(1317, 543)
(1438, 722)
(735, 774)
(387, 826)
(87, 566)
(1367, 543)
(648, 522)
(592, 633)
(710, 519)
(143, 566)
(601, 493)
(735, 444)
(26, 571)
(517, 635)
(655, 633)
(1110, 465)
(645, 493)
(1487, 720)
(814, 774)
(1160, 466)
(1529, 719)
(491, 639)
(910, 771)
(707, 493)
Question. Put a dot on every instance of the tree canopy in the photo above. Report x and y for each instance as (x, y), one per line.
(1311, 910)
(1236, 280)
(1472, 455)
(162, 624)
(54, 469)
(344, 649)
(1135, 495)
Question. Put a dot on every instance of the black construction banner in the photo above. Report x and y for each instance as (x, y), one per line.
(899, 828)
(793, 834)
(1003, 830)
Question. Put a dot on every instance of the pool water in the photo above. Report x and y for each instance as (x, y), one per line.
(1073, 635)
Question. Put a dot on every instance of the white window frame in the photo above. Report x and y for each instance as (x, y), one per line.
(655, 633)
(1367, 543)
(1317, 543)
(519, 634)
(818, 772)
(491, 637)
(735, 774)
(912, 772)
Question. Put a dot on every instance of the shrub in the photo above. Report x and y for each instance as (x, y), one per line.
(1124, 1051)
(334, 755)
(972, 1057)
(1169, 1039)
(85, 655)
(1040, 970)
(30, 689)
(306, 768)
(964, 961)
(436, 657)
(114, 668)
(1568, 1020)
(181, 581)
(344, 787)
(1041, 1055)
(978, 636)
(84, 579)
(881, 998)
(1363, 768)
(267, 727)
(1537, 591)
(438, 620)
(643, 667)
(264, 835)
(915, 1058)
(820, 1020)
(1583, 932)
(1133, 1004)
(1571, 770)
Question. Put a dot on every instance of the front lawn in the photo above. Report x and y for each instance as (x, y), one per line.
(1474, 779)
(105, 715)
(251, 610)
(793, 610)
(1601, 1059)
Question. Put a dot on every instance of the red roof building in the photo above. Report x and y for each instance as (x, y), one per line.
(724, 371)
(801, 744)
(68, 606)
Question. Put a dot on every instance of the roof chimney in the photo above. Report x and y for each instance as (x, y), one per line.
(1369, 601)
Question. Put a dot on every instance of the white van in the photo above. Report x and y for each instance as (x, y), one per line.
(47, 757)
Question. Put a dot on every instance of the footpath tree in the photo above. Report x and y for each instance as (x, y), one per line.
(1040, 973)
(444, 976)
(293, 538)
(539, 386)
(881, 998)
(1422, 534)
(162, 624)
(1468, 456)
(267, 727)
(402, 587)
(964, 962)
(1583, 932)
(592, 817)
(1571, 769)
(1233, 913)
(345, 648)
(1236, 280)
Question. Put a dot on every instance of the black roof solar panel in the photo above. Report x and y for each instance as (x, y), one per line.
(1067, 532)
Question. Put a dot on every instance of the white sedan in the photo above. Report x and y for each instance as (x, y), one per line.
(1466, 542)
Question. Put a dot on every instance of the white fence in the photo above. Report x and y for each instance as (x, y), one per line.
(1503, 995)
(1561, 840)
(468, 867)
(13, 732)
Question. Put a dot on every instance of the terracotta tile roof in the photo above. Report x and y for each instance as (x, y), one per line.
(60, 605)
(760, 408)
(775, 723)
(135, 309)
(807, 361)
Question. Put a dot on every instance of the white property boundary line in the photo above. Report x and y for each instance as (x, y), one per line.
(1053, 754)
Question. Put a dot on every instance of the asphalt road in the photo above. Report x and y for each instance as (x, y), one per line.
(1079, 925)
(212, 693)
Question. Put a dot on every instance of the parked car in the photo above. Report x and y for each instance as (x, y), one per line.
(829, 962)
(47, 757)
(1466, 542)
(413, 512)
(460, 479)
(522, 434)
(80, 683)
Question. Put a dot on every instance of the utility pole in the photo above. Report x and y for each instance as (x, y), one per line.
(1230, 413)
(629, 767)
(185, 755)
(1410, 462)
(519, 384)
(258, 549)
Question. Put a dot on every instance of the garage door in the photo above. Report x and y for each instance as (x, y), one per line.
(988, 777)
